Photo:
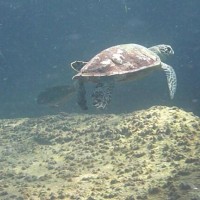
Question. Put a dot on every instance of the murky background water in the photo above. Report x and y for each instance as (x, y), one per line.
(39, 39)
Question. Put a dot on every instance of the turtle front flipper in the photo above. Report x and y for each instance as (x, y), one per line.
(102, 95)
(171, 78)
(81, 100)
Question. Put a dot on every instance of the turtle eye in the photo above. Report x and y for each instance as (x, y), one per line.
(168, 50)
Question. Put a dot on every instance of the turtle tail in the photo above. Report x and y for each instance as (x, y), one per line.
(81, 92)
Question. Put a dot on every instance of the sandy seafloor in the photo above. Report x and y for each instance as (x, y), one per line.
(148, 154)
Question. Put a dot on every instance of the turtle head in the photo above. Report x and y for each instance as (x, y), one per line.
(162, 50)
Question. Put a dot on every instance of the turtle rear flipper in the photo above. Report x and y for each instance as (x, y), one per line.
(81, 100)
(171, 79)
(78, 65)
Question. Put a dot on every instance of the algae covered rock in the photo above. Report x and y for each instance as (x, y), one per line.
(148, 154)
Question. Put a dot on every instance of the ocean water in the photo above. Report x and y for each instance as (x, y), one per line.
(142, 146)
(39, 39)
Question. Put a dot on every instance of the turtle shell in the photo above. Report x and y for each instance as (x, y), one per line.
(122, 61)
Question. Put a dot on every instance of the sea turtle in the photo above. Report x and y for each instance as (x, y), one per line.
(121, 63)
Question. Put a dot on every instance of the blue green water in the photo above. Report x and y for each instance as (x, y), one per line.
(39, 39)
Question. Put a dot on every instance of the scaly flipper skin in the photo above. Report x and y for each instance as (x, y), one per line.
(101, 97)
(171, 79)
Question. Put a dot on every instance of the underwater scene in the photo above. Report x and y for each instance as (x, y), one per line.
(99, 99)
